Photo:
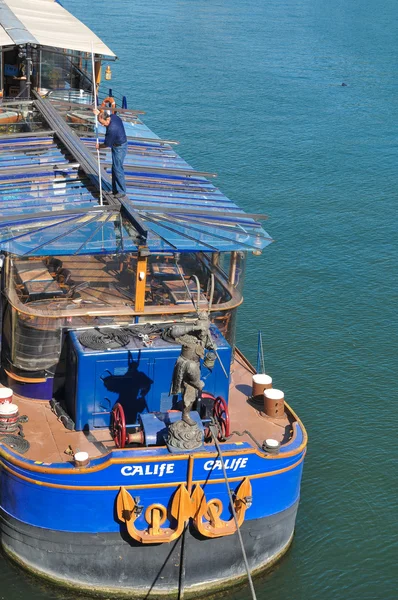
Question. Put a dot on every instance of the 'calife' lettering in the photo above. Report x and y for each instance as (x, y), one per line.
(231, 464)
(149, 469)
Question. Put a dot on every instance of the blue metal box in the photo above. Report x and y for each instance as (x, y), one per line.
(138, 377)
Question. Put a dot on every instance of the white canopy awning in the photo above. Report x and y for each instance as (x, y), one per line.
(46, 23)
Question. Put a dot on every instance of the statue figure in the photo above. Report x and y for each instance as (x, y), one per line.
(194, 338)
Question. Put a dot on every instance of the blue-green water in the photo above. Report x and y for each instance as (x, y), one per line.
(252, 89)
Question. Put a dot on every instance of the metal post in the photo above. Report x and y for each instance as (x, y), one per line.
(232, 268)
(96, 122)
(1, 75)
(260, 354)
(140, 283)
(28, 71)
(258, 351)
(215, 259)
(40, 62)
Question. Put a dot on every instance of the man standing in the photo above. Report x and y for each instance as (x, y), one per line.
(115, 138)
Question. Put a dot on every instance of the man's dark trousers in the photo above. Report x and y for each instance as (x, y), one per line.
(118, 179)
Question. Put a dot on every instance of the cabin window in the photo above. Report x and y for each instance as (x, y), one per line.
(31, 343)
(233, 266)
(64, 70)
(51, 294)
(172, 285)
(74, 284)
(176, 283)
(48, 295)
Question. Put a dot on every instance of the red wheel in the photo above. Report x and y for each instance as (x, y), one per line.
(207, 396)
(118, 426)
(220, 412)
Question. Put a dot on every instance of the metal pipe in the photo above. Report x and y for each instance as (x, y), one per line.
(177, 254)
(96, 123)
(40, 63)
(211, 291)
(28, 69)
(1, 74)
(215, 259)
(185, 173)
(232, 268)
(221, 363)
(138, 140)
(195, 278)
(66, 105)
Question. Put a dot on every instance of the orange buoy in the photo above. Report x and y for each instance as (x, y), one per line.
(108, 102)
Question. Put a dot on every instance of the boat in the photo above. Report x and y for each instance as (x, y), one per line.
(141, 453)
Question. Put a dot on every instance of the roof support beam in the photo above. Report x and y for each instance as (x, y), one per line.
(89, 134)
(33, 135)
(140, 283)
(22, 218)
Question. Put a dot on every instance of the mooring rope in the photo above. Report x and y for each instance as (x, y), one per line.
(181, 583)
(214, 432)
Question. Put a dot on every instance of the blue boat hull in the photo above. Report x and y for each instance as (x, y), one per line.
(114, 563)
(63, 522)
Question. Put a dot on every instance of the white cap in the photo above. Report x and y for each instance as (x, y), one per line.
(271, 443)
(262, 379)
(274, 394)
(8, 409)
(81, 456)
(5, 392)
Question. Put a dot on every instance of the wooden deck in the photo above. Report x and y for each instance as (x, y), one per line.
(51, 442)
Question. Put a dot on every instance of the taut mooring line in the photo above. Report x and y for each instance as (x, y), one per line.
(181, 583)
(214, 432)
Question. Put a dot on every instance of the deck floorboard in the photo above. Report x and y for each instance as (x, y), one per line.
(49, 439)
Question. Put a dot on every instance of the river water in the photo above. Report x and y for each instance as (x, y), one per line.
(253, 90)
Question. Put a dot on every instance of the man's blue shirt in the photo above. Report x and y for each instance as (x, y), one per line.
(115, 133)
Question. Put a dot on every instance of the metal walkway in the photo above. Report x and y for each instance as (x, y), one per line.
(87, 161)
(49, 194)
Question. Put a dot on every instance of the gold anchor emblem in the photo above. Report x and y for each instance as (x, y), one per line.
(206, 515)
(207, 519)
(155, 516)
